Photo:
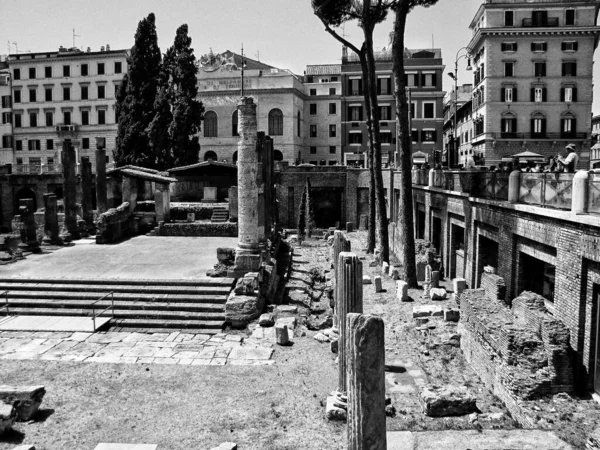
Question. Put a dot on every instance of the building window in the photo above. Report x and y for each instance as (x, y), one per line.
(6, 101)
(539, 47)
(508, 126)
(84, 70)
(299, 123)
(85, 143)
(32, 73)
(428, 80)
(49, 146)
(101, 117)
(32, 95)
(569, 69)
(355, 138)
(332, 91)
(50, 161)
(332, 108)
(385, 112)
(210, 124)
(48, 94)
(332, 130)
(428, 135)
(35, 161)
(6, 117)
(33, 119)
(6, 141)
(313, 131)
(332, 149)
(386, 138)
(66, 71)
(509, 69)
(85, 117)
(411, 80)
(118, 67)
(539, 94)
(384, 86)
(66, 93)
(413, 110)
(569, 46)
(312, 109)
(355, 85)
(538, 126)
(428, 110)
(18, 120)
(414, 135)
(84, 92)
(509, 18)
(19, 147)
(509, 46)
(100, 68)
(17, 96)
(568, 127)
(66, 117)
(313, 92)
(509, 94)
(539, 69)
(568, 94)
(49, 118)
(16, 74)
(48, 71)
(355, 113)
(313, 150)
(101, 91)
(275, 122)
(570, 17)
(234, 123)
(33, 144)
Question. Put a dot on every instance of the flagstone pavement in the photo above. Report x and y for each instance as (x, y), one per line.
(137, 348)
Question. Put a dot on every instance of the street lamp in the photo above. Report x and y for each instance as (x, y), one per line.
(454, 76)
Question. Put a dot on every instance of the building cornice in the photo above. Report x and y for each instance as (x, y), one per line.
(249, 92)
(532, 32)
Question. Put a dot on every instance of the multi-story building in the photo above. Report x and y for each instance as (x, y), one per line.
(277, 93)
(458, 141)
(532, 87)
(423, 69)
(6, 150)
(322, 113)
(65, 94)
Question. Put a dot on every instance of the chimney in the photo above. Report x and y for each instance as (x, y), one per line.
(107, 47)
(89, 50)
(102, 48)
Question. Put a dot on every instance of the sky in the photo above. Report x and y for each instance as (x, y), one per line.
(282, 33)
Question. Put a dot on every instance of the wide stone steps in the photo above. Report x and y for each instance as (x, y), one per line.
(138, 304)
(220, 215)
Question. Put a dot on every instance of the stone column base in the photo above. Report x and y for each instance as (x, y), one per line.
(244, 263)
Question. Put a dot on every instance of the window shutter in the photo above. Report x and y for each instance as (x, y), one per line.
(562, 94)
(434, 79)
(515, 46)
(574, 126)
(562, 125)
(544, 69)
(563, 46)
(423, 135)
(503, 94)
(544, 94)
(515, 94)
(574, 66)
(423, 80)
(405, 80)
(378, 86)
(532, 46)
(360, 113)
(349, 86)
(514, 125)
(564, 69)
(574, 94)
(533, 125)
(415, 135)
(434, 136)
(575, 45)
(545, 46)
(533, 94)
(504, 47)
(502, 125)
(360, 87)
(543, 126)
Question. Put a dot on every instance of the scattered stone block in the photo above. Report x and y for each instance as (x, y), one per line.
(226, 255)
(281, 335)
(435, 279)
(402, 290)
(191, 217)
(333, 412)
(437, 293)
(334, 346)
(394, 273)
(489, 269)
(8, 416)
(451, 315)
(289, 322)
(447, 401)
(420, 321)
(427, 311)
(377, 282)
(385, 268)
(287, 309)
(25, 447)
(25, 399)
(247, 284)
(459, 285)
(111, 446)
(349, 227)
(226, 446)
(266, 320)
(366, 279)
(321, 337)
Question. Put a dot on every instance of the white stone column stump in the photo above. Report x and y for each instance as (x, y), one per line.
(402, 290)
(580, 192)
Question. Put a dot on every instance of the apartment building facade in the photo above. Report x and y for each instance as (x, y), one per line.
(532, 86)
(423, 72)
(458, 141)
(68, 94)
(6, 147)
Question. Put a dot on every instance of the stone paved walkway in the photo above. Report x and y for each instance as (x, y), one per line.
(137, 348)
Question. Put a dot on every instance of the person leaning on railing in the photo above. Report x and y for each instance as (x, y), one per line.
(570, 162)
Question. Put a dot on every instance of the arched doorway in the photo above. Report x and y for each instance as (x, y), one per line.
(210, 156)
(277, 155)
(22, 194)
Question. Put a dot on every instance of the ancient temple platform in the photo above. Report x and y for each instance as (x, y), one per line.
(140, 257)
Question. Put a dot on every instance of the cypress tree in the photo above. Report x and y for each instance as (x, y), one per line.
(136, 97)
(302, 216)
(310, 214)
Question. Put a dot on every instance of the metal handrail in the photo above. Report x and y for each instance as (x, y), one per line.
(5, 293)
(94, 315)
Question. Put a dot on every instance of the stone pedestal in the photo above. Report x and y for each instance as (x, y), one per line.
(233, 204)
(349, 299)
(435, 279)
(514, 186)
(29, 240)
(70, 190)
(580, 193)
(129, 190)
(162, 203)
(210, 195)
(365, 350)
(51, 227)
(86, 194)
(101, 196)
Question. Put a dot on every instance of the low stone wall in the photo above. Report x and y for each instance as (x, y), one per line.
(520, 354)
(219, 229)
(202, 211)
(114, 225)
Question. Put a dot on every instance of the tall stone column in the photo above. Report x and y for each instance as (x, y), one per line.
(28, 231)
(349, 299)
(162, 203)
(365, 349)
(248, 251)
(51, 227)
(70, 190)
(101, 197)
(340, 244)
(87, 210)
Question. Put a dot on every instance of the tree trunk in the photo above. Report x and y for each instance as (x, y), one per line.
(405, 220)
(382, 225)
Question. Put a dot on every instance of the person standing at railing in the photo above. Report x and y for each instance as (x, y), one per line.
(570, 162)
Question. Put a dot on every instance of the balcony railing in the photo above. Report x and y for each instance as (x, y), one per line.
(549, 22)
(37, 169)
(547, 189)
(504, 135)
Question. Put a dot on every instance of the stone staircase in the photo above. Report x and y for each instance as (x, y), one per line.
(220, 215)
(158, 305)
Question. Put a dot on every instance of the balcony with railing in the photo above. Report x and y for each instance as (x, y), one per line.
(522, 136)
(530, 22)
